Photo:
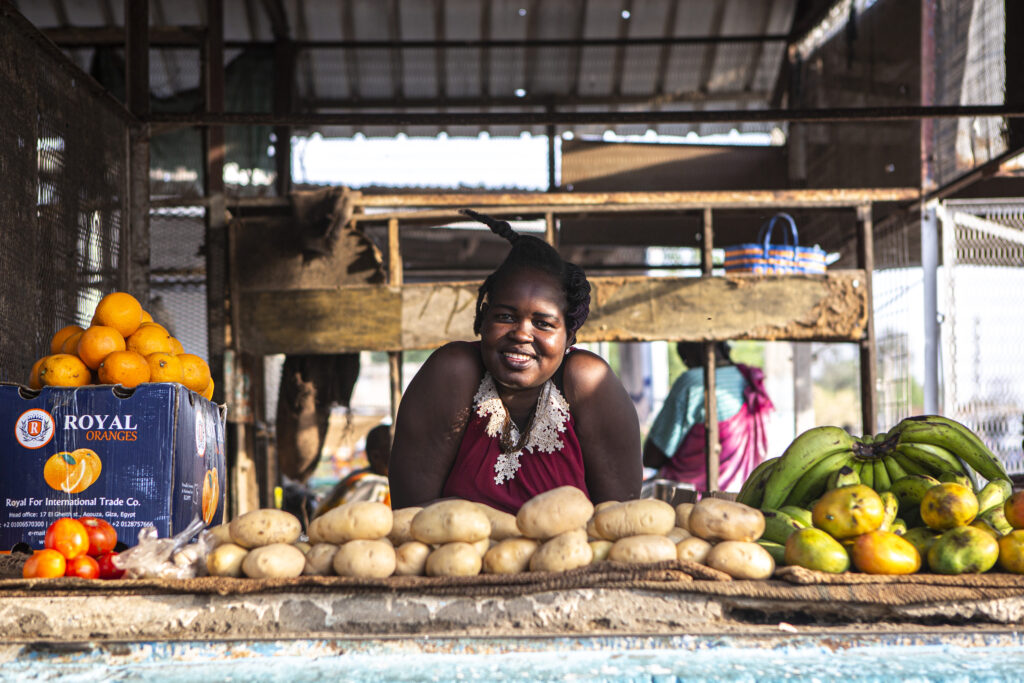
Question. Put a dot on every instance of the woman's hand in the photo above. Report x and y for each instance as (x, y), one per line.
(431, 418)
(607, 427)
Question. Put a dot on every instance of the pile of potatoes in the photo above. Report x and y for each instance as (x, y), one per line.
(555, 531)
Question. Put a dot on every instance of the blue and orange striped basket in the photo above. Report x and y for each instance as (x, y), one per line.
(765, 258)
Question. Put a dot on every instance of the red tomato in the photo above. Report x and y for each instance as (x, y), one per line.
(102, 535)
(107, 568)
(68, 537)
(84, 567)
(44, 564)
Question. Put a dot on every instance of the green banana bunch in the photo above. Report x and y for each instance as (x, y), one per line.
(893, 468)
(898, 527)
(778, 526)
(801, 515)
(956, 478)
(892, 508)
(932, 459)
(910, 490)
(866, 470)
(955, 438)
(882, 482)
(994, 494)
(802, 458)
(776, 550)
(752, 490)
(844, 476)
(996, 517)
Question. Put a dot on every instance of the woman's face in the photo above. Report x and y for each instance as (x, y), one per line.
(523, 337)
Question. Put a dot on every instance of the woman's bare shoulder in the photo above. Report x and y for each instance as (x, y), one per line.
(584, 371)
(456, 364)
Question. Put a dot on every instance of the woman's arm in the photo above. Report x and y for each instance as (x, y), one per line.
(431, 419)
(654, 457)
(607, 428)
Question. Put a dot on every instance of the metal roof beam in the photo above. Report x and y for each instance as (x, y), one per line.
(535, 101)
(395, 54)
(348, 30)
(278, 18)
(619, 64)
(564, 118)
(440, 57)
(663, 53)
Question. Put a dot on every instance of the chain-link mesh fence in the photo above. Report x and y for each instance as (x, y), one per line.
(63, 199)
(980, 299)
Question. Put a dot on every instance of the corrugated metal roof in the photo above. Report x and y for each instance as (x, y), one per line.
(494, 55)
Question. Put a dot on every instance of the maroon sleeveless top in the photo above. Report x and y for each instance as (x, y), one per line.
(551, 458)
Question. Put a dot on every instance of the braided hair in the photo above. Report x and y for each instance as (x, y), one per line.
(531, 252)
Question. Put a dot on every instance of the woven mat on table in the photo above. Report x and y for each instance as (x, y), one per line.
(670, 576)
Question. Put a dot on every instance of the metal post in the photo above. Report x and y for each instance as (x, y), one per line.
(930, 268)
(712, 448)
(135, 268)
(395, 278)
(868, 351)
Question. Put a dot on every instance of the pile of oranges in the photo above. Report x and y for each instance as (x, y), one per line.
(122, 345)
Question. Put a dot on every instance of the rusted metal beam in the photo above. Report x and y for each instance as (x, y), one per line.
(536, 100)
(830, 307)
(564, 118)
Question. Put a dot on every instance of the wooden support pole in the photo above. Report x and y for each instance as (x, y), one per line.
(135, 268)
(395, 278)
(711, 446)
(868, 351)
(550, 236)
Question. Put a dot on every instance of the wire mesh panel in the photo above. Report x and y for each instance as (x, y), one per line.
(897, 288)
(983, 330)
(63, 199)
(177, 280)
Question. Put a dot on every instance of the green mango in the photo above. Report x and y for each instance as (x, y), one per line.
(963, 550)
(814, 549)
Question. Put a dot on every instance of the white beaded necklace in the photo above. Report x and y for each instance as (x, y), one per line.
(549, 419)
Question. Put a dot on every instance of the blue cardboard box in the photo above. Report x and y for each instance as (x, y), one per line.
(149, 456)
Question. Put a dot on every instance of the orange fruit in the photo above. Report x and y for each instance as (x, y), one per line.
(90, 459)
(883, 552)
(196, 372)
(176, 347)
(70, 344)
(71, 472)
(57, 341)
(208, 392)
(211, 495)
(164, 367)
(44, 564)
(149, 338)
(154, 324)
(96, 342)
(146, 317)
(127, 368)
(119, 310)
(63, 370)
(33, 375)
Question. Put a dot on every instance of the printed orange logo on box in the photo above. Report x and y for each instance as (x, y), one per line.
(211, 495)
(72, 472)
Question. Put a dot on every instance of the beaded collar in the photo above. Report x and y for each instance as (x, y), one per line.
(550, 417)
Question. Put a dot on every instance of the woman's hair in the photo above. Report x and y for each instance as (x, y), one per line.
(532, 252)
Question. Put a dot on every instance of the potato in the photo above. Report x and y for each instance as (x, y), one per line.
(226, 560)
(363, 520)
(454, 559)
(554, 512)
(274, 561)
(450, 521)
(643, 549)
(482, 546)
(411, 558)
(365, 559)
(219, 534)
(741, 560)
(635, 518)
(683, 511)
(402, 519)
(314, 533)
(714, 519)
(510, 556)
(265, 527)
(678, 533)
(592, 532)
(568, 550)
(503, 525)
(692, 549)
(320, 560)
(601, 549)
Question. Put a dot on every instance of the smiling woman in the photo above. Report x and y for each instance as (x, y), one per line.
(521, 411)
